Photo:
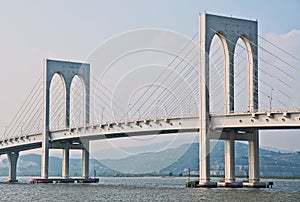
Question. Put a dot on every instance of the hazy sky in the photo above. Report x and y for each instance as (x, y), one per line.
(32, 30)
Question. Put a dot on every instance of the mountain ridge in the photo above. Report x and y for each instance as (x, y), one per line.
(175, 161)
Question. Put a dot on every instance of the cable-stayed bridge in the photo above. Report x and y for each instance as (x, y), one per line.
(218, 85)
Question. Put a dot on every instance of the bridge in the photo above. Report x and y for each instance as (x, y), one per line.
(43, 123)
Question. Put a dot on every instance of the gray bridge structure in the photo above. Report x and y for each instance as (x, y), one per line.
(230, 126)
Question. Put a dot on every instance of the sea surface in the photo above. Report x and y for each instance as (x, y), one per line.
(143, 189)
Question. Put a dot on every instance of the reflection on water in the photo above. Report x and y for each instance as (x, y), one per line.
(143, 189)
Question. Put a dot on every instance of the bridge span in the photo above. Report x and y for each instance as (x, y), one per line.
(228, 126)
(242, 123)
(240, 127)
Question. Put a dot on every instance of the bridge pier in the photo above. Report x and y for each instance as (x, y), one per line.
(229, 159)
(204, 161)
(12, 160)
(253, 158)
(45, 158)
(85, 164)
(65, 163)
(85, 161)
(229, 156)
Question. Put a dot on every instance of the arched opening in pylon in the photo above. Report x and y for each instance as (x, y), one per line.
(77, 102)
(217, 74)
(57, 116)
(241, 76)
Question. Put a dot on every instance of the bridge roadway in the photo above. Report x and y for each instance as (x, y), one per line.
(242, 123)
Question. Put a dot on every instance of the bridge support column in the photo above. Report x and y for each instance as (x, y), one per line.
(85, 161)
(229, 159)
(204, 166)
(204, 161)
(65, 163)
(230, 164)
(12, 160)
(45, 158)
(253, 157)
(204, 140)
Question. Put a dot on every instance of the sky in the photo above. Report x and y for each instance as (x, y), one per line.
(71, 30)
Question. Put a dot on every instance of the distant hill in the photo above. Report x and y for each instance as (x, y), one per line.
(30, 165)
(167, 162)
(271, 163)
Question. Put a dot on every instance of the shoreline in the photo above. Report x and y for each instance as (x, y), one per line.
(164, 176)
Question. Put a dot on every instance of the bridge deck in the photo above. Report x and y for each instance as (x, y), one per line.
(238, 121)
(258, 120)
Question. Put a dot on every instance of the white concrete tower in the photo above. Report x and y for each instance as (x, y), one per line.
(67, 71)
(229, 30)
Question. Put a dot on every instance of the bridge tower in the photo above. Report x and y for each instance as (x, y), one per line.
(67, 71)
(229, 30)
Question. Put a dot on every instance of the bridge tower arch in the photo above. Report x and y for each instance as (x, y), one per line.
(229, 30)
(77, 103)
(67, 70)
(57, 98)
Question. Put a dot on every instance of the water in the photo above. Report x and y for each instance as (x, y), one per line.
(143, 189)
